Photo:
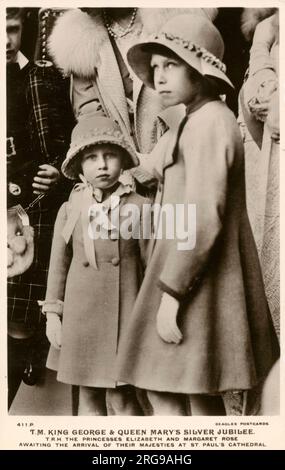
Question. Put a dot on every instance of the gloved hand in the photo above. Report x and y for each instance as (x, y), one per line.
(166, 324)
(53, 330)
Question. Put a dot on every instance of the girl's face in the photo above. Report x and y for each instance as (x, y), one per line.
(173, 81)
(102, 165)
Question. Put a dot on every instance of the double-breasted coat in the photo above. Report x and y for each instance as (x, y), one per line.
(229, 341)
(97, 302)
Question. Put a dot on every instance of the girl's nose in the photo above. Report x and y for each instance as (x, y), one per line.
(102, 162)
(159, 76)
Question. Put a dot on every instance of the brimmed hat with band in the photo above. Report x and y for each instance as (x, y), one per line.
(91, 131)
(193, 38)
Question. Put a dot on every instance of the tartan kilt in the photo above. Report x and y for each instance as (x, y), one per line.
(50, 122)
(26, 289)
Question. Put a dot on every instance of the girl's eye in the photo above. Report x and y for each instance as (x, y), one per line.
(153, 65)
(89, 157)
(170, 65)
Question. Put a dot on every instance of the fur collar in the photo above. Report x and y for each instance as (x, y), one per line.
(77, 37)
(251, 17)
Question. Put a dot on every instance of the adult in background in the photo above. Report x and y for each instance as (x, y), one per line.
(38, 130)
(259, 120)
(259, 116)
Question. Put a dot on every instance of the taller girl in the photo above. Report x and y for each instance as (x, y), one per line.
(201, 324)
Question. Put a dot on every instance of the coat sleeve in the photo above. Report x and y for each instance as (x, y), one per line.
(61, 255)
(85, 98)
(262, 81)
(50, 115)
(207, 158)
(151, 164)
(263, 40)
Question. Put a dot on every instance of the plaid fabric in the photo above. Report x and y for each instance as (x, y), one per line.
(50, 123)
(51, 118)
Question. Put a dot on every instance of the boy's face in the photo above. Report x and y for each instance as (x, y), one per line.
(172, 80)
(102, 165)
(14, 29)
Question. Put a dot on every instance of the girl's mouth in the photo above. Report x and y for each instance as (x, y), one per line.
(102, 177)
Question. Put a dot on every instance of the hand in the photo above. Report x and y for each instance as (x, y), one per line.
(46, 177)
(166, 324)
(53, 330)
(276, 136)
(259, 110)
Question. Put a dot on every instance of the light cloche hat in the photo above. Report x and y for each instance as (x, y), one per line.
(94, 130)
(193, 38)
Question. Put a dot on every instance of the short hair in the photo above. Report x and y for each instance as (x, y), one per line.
(16, 13)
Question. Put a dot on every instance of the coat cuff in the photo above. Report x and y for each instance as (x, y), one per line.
(51, 306)
(168, 290)
(180, 296)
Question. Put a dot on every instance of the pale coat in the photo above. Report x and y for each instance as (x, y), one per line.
(228, 338)
(97, 86)
(260, 91)
(97, 303)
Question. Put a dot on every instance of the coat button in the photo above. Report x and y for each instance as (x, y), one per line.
(85, 264)
(115, 261)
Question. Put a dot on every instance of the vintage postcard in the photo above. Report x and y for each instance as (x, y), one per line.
(141, 294)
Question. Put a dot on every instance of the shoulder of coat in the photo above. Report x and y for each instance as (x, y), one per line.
(62, 211)
(251, 17)
(135, 198)
(74, 199)
(215, 118)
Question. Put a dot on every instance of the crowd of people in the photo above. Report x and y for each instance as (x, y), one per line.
(131, 111)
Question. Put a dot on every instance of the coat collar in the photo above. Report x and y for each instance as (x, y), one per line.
(21, 60)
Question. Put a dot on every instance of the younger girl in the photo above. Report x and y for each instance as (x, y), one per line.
(93, 281)
(200, 325)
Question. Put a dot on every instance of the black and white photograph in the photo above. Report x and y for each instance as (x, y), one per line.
(142, 213)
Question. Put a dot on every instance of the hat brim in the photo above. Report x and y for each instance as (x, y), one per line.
(70, 164)
(139, 57)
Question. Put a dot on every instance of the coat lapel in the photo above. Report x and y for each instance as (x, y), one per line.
(173, 117)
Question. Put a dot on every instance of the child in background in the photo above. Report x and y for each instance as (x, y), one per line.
(201, 325)
(93, 283)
